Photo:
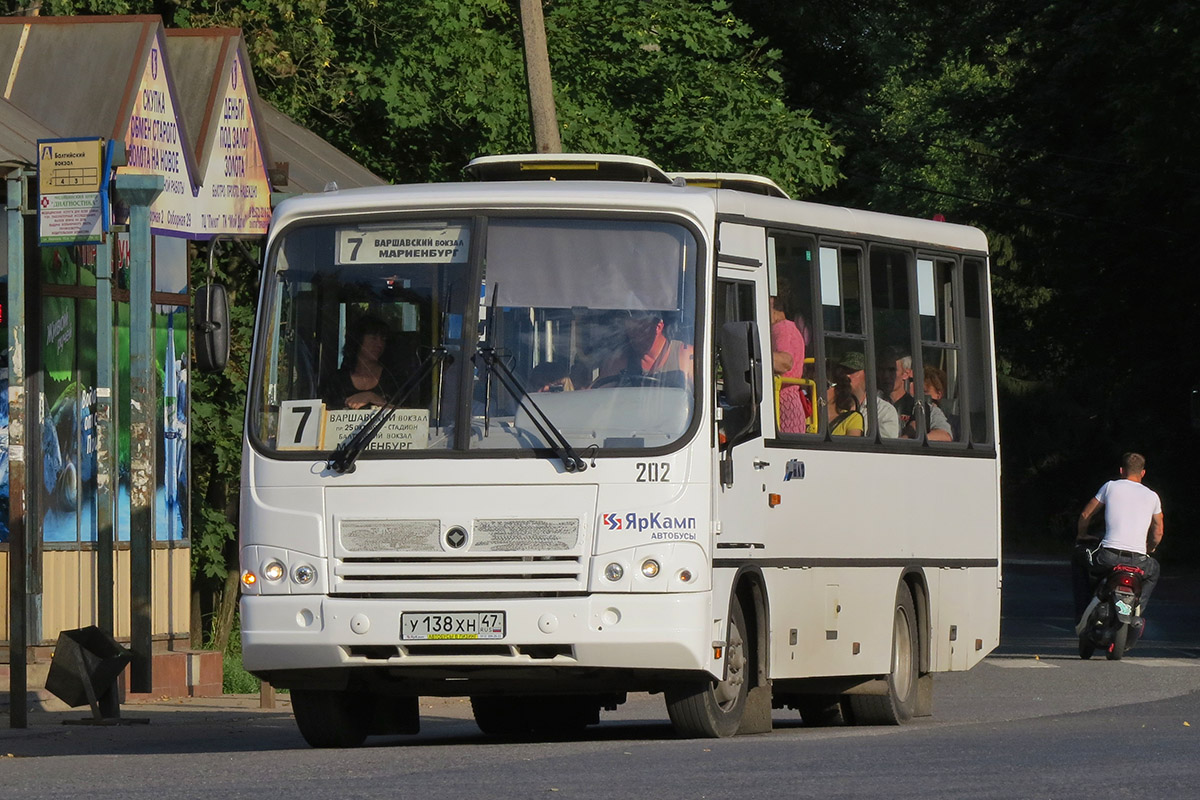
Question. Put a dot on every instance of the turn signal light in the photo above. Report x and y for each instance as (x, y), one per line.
(249, 578)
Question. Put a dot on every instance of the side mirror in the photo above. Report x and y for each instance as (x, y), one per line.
(210, 314)
(741, 361)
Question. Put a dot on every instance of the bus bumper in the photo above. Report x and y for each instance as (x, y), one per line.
(628, 631)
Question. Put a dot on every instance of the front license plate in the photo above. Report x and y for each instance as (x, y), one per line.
(422, 626)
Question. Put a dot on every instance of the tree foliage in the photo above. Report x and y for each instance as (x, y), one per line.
(413, 89)
(416, 89)
(1065, 131)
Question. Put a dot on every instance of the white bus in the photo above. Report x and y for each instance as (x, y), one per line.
(546, 437)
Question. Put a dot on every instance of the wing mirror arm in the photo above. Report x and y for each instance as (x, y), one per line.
(741, 364)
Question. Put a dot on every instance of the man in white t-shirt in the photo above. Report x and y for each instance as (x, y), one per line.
(1133, 528)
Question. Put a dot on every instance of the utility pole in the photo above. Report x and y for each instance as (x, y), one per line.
(537, 71)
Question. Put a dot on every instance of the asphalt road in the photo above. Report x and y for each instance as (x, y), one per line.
(1032, 721)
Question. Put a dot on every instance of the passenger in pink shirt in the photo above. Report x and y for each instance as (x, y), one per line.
(787, 344)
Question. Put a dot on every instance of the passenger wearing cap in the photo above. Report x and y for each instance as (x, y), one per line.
(889, 421)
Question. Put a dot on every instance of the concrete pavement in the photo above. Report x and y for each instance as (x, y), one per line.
(160, 711)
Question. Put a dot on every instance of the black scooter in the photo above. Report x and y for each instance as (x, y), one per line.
(1113, 619)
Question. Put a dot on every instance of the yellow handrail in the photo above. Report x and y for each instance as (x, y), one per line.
(806, 386)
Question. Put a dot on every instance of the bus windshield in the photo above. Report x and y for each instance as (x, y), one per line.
(557, 330)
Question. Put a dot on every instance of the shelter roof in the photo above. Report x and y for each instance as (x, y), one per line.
(201, 58)
(92, 63)
(311, 161)
(19, 133)
(96, 65)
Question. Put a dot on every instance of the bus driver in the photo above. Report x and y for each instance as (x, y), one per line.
(648, 353)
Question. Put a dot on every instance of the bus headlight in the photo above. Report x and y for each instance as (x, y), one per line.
(274, 570)
(304, 573)
(650, 567)
(614, 572)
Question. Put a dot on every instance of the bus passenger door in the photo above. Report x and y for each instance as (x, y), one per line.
(742, 500)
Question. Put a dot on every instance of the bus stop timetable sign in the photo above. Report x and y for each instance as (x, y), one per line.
(71, 202)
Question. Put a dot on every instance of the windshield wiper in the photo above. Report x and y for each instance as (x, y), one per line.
(344, 456)
(571, 460)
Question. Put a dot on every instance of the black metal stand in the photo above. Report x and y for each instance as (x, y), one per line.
(106, 709)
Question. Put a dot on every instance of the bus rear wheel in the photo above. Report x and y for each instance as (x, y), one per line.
(898, 704)
(818, 710)
(331, 718)
(713, 709)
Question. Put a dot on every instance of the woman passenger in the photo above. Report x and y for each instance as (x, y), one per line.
(845, 417)
(787, 344)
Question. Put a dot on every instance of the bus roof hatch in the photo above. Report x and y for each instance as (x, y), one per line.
(738, 181)
(565, 167)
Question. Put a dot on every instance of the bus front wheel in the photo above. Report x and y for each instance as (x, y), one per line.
(713, 709)
(331, 718)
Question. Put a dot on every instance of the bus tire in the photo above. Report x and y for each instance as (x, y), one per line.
(331, 718)
(898, 704)
(523, 715)
(818, 710)
(713, 709)
(502, 716)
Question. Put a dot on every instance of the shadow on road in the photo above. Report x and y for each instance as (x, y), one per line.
(1036, 611)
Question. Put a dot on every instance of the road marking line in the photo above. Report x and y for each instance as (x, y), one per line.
(1165, 662)
(1024, 663)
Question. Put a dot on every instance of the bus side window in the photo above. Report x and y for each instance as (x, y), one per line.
(978, 390)
(791, 259)
(892, 332)
(941, 353)
(843, 410)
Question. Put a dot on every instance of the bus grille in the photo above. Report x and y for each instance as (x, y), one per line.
(478, 556)
(424, 575)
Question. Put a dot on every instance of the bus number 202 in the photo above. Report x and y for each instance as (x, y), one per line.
(653, 471)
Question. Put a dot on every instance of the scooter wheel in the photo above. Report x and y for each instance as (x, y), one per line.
(1086, 647)
(1120, 639)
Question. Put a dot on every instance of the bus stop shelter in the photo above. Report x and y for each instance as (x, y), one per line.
(164, 132)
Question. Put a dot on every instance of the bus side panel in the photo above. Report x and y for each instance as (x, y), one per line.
(966, 616)
(830, 621)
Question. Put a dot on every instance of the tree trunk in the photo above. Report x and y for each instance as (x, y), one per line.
(227, 603)
(227, 606)
(542, 113)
